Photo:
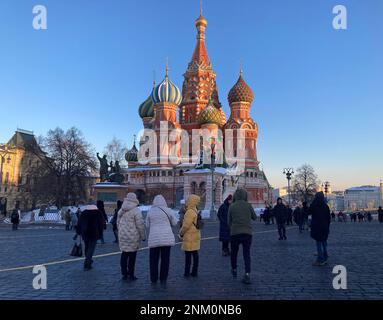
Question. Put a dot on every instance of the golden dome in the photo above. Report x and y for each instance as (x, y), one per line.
(201, 21)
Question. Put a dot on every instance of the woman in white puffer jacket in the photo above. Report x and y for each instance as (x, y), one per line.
(160, 220)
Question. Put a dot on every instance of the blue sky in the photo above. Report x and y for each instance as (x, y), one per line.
(318, 91)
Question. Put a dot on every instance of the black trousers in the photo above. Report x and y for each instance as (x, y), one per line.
(188, 258)
(128, 263)
(236, 241)
(281, 229)
(155, 254)
(90, 247)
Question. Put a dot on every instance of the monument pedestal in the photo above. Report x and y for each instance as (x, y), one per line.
(110, 193)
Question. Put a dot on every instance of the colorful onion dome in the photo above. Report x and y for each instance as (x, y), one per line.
(241, 92)
(210, 115)
(146, 109)
(167, 92)
(132, 154)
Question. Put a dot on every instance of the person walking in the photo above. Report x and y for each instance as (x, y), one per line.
(299, 217)
(369, 217)
(15, 219)
(224, 230)
(74, 220)
(241, 213)
(305, 213)
(113, 221)
(267, 215)
(89, 227)
(333, 216)
(280, 212)
(320, 227)
(191, 236)
(159, 221)
(101, 207)
(380, 215)
(131, 232)
(68, 220)
(289, 220)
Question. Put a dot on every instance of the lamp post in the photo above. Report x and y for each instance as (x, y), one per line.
(212, 166)
(289, 173)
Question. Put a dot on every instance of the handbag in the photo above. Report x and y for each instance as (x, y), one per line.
(166, 215)
(76, 250)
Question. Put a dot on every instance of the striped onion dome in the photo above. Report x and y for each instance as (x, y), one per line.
(167, 91)
(241, 92)
(210, 115)
(146, 109)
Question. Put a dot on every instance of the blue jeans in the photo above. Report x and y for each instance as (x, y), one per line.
(322, 251)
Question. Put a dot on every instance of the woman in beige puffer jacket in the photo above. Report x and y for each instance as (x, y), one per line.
(131, 231)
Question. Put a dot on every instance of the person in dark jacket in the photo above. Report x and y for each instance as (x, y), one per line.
(380, 215)
(333, 216)
(305, 213)
(113, 222)
(100, 206)
(280, 212)
(15, 219)
(224, 230)
(289, 220)
(239, 219)
(299, 218)
(320, 227)
(90, 227)
(266, 215)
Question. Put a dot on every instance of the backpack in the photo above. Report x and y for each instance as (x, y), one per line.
(199, 225)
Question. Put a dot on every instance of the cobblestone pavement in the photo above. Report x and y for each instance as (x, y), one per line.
(281, 269)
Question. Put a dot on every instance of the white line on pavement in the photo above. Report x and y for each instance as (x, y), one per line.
(107, 255)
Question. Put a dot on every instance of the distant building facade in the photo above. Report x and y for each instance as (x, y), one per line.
(364, 197)
(15, 163)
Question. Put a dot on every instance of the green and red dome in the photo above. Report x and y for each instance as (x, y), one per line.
(241, 92)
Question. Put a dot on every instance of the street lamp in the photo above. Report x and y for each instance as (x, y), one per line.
(289, 173)
(212, 166)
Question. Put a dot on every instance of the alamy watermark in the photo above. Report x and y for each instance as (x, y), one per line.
(340, 280)
(40, 18)
(340, 20)
(40, 280)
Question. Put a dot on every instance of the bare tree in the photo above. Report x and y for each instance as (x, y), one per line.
(116, 150)
(67, 163)
(305, 183)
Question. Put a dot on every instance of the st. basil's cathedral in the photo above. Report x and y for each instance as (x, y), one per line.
(198, 107)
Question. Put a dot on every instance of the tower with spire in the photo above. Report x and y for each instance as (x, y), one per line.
(199, 83)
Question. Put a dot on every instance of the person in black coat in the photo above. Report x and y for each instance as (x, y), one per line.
(15, 219)
(320, 226)
(224, 230)
(100, 206)
(289, 216)
(299, 218)
(90, 227)
(380, 215)
(305, 213)
(280, 213)
(113, 222)
(266, 215)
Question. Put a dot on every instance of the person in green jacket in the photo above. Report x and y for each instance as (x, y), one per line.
(239, 219)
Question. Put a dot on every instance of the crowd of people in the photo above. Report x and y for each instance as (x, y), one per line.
(235, 216)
